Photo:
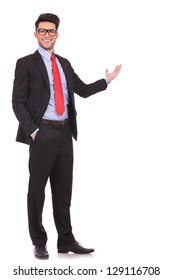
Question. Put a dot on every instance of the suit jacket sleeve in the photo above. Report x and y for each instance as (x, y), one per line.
(86, 90)
(20, 99)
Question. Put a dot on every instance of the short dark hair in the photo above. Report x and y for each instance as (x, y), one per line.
(48, 17)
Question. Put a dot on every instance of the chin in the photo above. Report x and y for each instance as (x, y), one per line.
(47, 48)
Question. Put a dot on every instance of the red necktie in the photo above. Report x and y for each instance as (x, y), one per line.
(59, 97)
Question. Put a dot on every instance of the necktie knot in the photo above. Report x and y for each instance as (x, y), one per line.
(53, 57)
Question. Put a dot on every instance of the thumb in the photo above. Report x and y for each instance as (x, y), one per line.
(106, 71)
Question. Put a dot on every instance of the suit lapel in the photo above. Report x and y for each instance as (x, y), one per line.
(68, 78)
(66, 72)
(40, 64)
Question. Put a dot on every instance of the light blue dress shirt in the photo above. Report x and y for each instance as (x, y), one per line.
(50, 113)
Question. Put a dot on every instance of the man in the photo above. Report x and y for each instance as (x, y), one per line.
(48, 129)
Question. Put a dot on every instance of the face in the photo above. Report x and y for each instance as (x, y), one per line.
(46, 41)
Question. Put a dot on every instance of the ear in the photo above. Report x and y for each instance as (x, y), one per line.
(35, 34)
(57, 34)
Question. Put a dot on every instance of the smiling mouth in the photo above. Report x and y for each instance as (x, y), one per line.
(46, 40)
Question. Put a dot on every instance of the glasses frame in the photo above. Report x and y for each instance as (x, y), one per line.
(46, 31)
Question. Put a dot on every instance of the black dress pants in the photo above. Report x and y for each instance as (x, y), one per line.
(51, 157)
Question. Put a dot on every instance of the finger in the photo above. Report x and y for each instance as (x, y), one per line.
(118, 68)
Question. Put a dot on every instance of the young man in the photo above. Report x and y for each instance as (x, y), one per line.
(43, 102)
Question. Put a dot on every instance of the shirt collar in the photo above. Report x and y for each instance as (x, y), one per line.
(44, 53)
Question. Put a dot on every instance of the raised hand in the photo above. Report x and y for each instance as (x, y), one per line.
(111, 76)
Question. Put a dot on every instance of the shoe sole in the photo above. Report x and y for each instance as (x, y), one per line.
(81, 253)
(41, 258)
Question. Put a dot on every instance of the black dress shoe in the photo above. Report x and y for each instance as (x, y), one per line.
(75, 248)
(41, 252)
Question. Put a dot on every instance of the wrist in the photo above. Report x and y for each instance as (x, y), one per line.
(107, 80)
(34, 133)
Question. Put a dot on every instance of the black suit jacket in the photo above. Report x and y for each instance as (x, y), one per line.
(31, 93)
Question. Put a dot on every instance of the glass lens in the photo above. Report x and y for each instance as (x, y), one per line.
(51, 32)
(41, 32)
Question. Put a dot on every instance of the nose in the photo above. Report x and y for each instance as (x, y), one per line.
(47, 34)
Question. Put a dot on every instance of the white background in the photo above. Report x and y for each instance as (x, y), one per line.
(122, 199)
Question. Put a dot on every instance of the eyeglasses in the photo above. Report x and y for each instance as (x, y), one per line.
(42, 32)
